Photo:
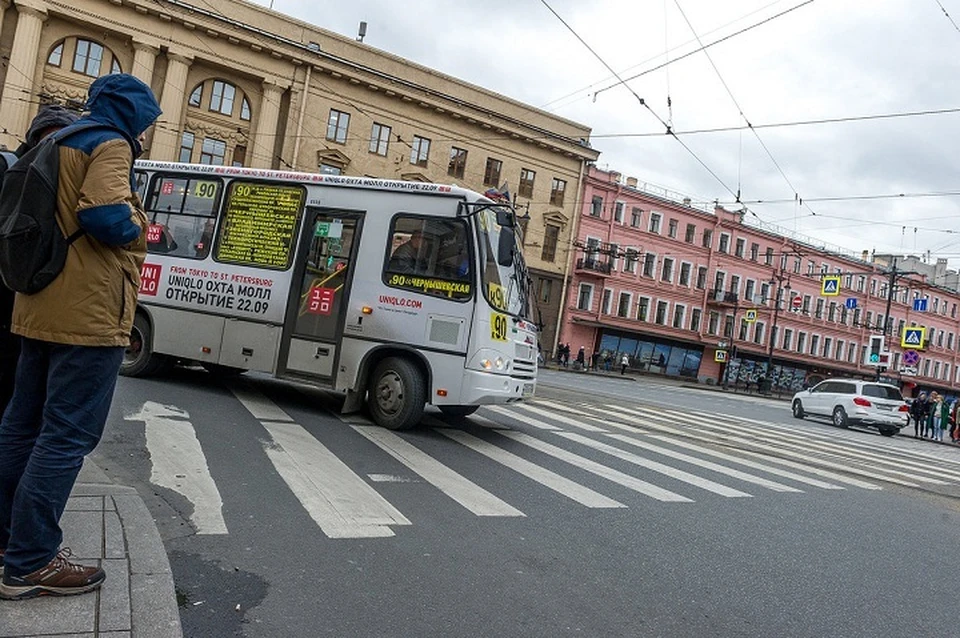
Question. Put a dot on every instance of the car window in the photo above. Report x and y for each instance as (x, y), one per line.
(846, 388)
(882, 392)
(826, 386)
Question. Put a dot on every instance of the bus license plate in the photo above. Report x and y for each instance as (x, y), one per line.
(527, 390)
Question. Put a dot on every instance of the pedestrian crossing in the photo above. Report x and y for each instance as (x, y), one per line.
(596, 455)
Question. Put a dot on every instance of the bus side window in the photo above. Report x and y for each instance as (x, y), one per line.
(182, 213)
(429, 255)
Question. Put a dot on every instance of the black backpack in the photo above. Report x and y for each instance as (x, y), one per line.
(33, 249)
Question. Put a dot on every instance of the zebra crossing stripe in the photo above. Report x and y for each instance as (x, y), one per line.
(707, 465)
(839, 478)
(513, 415)
(610, 474)
(466, 493)
(561, 485)
(566, 420)
(666, 470)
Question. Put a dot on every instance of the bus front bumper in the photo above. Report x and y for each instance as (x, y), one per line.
(484, 388)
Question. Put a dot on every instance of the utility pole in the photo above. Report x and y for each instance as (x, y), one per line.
(776, 315)
(886, 315)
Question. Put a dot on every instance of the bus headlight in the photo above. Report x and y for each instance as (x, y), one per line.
(491, 360)
(486, 364)
(500, 364)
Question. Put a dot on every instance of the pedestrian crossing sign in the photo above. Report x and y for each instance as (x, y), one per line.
(830, 286)
(750, 316)
(720, 356)
(913, 338)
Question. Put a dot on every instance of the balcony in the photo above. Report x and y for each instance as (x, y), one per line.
(594, 266)
(722, 298)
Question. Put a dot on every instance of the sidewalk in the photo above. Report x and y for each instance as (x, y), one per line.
(111, 524)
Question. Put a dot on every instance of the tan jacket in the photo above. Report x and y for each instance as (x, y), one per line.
(92, 301)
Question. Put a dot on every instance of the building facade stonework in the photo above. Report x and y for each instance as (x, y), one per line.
(665, 282)
(241, 84)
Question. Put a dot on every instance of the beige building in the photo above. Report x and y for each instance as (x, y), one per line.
(241, 84)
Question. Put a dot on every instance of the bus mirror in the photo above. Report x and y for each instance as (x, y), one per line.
(505, 246)
(505, 218)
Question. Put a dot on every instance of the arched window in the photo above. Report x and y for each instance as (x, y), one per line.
(245, 110)
(222, 97)
(89, 58)
(56, 55)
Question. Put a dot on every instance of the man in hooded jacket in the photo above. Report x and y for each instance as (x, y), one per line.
(50, 119)
(74, 333)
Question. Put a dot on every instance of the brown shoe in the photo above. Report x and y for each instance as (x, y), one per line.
(59, 578)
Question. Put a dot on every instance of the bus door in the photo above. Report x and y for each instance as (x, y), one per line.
(319, 293)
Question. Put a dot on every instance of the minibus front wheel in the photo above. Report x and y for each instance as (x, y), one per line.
(396, 394)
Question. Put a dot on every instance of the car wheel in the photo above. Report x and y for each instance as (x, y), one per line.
(888, 431)
(840, 417)
(798, 409)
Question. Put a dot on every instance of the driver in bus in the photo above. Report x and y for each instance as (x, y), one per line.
(410, 257)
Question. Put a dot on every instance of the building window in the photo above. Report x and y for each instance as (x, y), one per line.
(607, 300)
(213, 152)
(491, 174)
(748, 290)
(636, 216)
(655, 223)
(744, 330)
(87, 58)
(330, 169)
(649, 265)
(222, 97)
(801, 342)
(768, 257)
(557, 189)
(458, 162)
(739, 247)
(690, 233)
(56, 55)
(239, 155)
(196, 97)
(666, 273)
(754, 251)
(805, 308)
(819, 313)
(661, 317)
(787, 338)
(758, 333)
(420, 152)
(585, 298)
(678, 313)
(814, 344)
(643, 308)
(624, 303)
(618, 212)
(714, 324)
(827, 344)
(685, 274)
(838, 354)
(379, 139)
(695, 315)
(544, 292)
(550, 235)
(245, 110)
(187, 141)
(527, 178)
(707, 238)
(596, 206)
(851, 351)
(633, 256)
(672, 229)
(701, 277)
(797, 265)
(724, 245)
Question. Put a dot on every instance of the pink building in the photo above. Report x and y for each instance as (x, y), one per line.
(668, 283)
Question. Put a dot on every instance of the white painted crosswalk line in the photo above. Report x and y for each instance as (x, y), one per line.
(796, 452)
(707, 465)
(798, 443)
(666, 470)
(513, 415)
(566, 420)
(466, 493)
(673, 431)
(179, 464)
(341, 503)
(610, 474)
(543, 476)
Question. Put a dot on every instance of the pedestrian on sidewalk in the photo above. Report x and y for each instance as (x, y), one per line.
(624, 362)
(954, 426)
(50, 119)
(581, 359)
(74, 333)
(943, 409)
(933, 414)
(566, 355)
(918, 414)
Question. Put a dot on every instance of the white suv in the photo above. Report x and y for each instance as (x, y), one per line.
(854, 402)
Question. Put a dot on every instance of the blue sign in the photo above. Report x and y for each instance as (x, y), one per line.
(920, 305)
(850, 303)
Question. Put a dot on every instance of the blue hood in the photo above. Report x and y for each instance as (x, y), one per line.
(124, 102)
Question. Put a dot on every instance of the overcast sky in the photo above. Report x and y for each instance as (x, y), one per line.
(826, 59)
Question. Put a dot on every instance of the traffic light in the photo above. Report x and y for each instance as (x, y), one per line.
(876, 348)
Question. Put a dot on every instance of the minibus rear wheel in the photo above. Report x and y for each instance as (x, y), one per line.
(396, 394)
(139, 360)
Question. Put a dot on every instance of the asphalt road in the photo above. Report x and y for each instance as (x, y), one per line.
(605, 508)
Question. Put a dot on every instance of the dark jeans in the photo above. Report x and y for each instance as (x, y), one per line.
(56, 417)
(9, 353)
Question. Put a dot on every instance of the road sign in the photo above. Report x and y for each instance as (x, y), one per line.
(796, 302)
(830, 286)
(850, 303)
(920, 305)
(720, 356)
(913, 338)
(750, 315)
(911, 358)
(909, 371)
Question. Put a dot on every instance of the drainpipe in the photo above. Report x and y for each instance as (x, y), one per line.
(577, 211)
(303, 110)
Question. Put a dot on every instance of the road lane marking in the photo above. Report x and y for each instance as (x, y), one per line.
(179, 464)
(465, 492)
(339, 501)
(577, 423)
(666, 470)
(610, 474)
(561, 485)
(513, 415)
(707, 465)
